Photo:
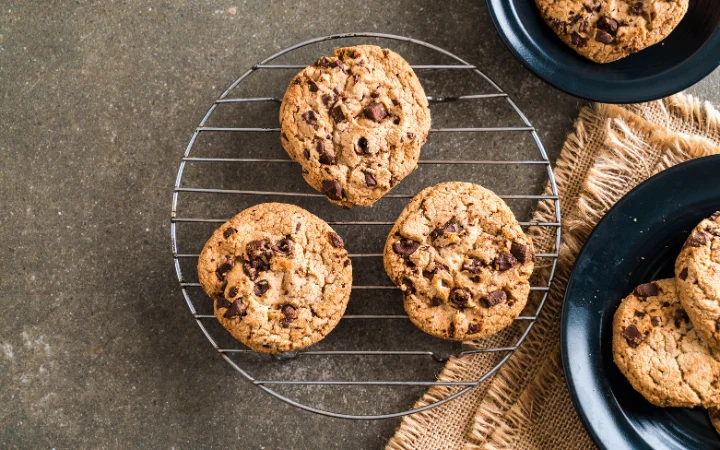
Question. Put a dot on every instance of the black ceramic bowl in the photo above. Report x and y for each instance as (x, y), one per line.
(637, 241)
(685, 57)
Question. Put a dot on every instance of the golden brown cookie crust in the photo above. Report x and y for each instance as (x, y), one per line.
(607, 30)
(280, 277)
(355, 122)
(462, 261)
(697, 274)
(659, 351)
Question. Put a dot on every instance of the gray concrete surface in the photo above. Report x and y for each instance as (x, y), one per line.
(97, 348)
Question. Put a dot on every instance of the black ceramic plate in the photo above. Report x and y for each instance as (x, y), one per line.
(636, 242)
(685, 57)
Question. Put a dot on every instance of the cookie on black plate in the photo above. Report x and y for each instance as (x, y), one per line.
(605, 31)
(657, 348)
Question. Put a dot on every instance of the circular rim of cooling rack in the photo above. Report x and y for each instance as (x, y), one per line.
(466, 385)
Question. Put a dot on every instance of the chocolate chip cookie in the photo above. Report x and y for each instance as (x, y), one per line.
(461, 260)
(279, 277)
(355, 122)
(697, 274)
(607, 30)
(659, 351)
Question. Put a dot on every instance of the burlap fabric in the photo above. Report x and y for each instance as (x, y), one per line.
(526, 405)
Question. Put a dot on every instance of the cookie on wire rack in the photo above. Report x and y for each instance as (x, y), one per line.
(461, 260)
(355, 122)
(279, 276)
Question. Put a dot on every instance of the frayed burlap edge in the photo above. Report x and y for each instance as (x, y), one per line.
(507, 403)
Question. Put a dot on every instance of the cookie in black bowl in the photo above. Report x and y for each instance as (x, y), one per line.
(682, 59)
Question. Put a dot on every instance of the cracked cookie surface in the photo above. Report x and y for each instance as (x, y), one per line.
(279, 277)
(607, 30)
(697, 274)
(355, 122)
(659, 351)
(461, 260)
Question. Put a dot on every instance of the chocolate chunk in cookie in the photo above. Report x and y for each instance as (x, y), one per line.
(495, 298)
(336, 240)
(608, 25)
(698, 239)
(261, 287)
(310, 118)
(224, 268)
(327, 155)
(460, 297)
(646, 290)
(632, 335)
(237, 309)
(405, 247)
(362, 146)
(505, 262)
(283, 247)
(375, 111)
(522, 253)
(222, 303)
(290, 314)
(333, 189)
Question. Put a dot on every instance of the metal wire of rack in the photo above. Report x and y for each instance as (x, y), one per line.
(231, 354)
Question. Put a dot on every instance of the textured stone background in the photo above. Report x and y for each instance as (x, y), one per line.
(97, 348)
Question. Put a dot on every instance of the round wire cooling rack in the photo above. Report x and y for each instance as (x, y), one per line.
(213, 186)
